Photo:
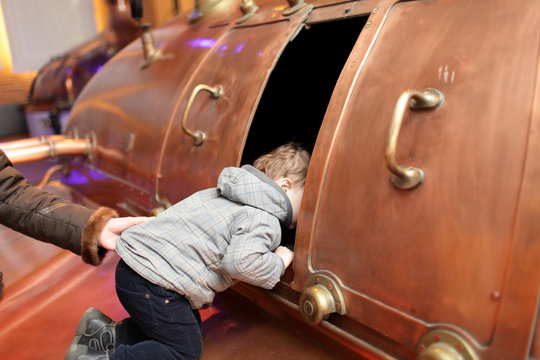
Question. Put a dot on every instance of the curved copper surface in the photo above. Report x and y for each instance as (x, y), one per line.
(458, 253)
(60, 81)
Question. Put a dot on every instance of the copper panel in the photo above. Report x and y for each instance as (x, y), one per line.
(518, 325)
(128, 109)
(240, 61)
(324, 12)
(134, 114)
(437, 254)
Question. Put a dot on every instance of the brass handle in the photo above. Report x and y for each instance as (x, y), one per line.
(408, 177)
(198, 135)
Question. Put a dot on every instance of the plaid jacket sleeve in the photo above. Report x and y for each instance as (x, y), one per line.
(250, 257)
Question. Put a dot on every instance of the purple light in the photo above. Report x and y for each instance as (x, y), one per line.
(202, 43)
(77, 178)
(221, 50)
(239, 48)
(99, 68)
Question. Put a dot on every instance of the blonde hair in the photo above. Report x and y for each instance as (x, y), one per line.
(289, 160)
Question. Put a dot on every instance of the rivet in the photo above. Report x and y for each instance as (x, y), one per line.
(147, 296)
(330, 287)
(338, 306)
(496, 295)
(166, 301)
(368, 24)
(459, 347)
(374, 11)
(308, 308)
(316, 280)
(421, 347)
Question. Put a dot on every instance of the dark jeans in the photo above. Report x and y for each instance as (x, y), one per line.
(162, 324)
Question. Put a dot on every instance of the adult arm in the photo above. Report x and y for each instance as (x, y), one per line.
(49, 218)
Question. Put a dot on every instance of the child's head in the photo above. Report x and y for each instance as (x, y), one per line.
(287, 165)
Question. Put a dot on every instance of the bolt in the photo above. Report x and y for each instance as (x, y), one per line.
(330, 287)
(308, 308)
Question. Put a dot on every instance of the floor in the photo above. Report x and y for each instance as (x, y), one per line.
(48, 289)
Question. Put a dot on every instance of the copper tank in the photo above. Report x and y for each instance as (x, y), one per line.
(419, 227)
(60, 81)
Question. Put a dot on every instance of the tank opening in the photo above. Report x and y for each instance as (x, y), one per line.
(295, 99)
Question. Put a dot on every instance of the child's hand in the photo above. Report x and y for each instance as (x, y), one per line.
(285, 254)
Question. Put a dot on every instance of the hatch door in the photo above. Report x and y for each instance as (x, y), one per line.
(436, 254)
(238, 66)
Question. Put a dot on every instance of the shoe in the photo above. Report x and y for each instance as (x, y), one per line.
(96, 331)
(82, 352)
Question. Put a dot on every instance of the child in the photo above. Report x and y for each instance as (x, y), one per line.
(174, 264)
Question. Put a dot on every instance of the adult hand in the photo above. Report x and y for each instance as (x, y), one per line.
(285, 254)
(114, 227)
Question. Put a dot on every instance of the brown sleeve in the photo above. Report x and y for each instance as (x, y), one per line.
(49, 218)
(40, 214)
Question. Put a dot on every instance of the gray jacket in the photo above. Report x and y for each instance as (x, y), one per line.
(208, 241)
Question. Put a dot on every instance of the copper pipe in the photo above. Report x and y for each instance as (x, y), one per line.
(30, 142)
(47, 150)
